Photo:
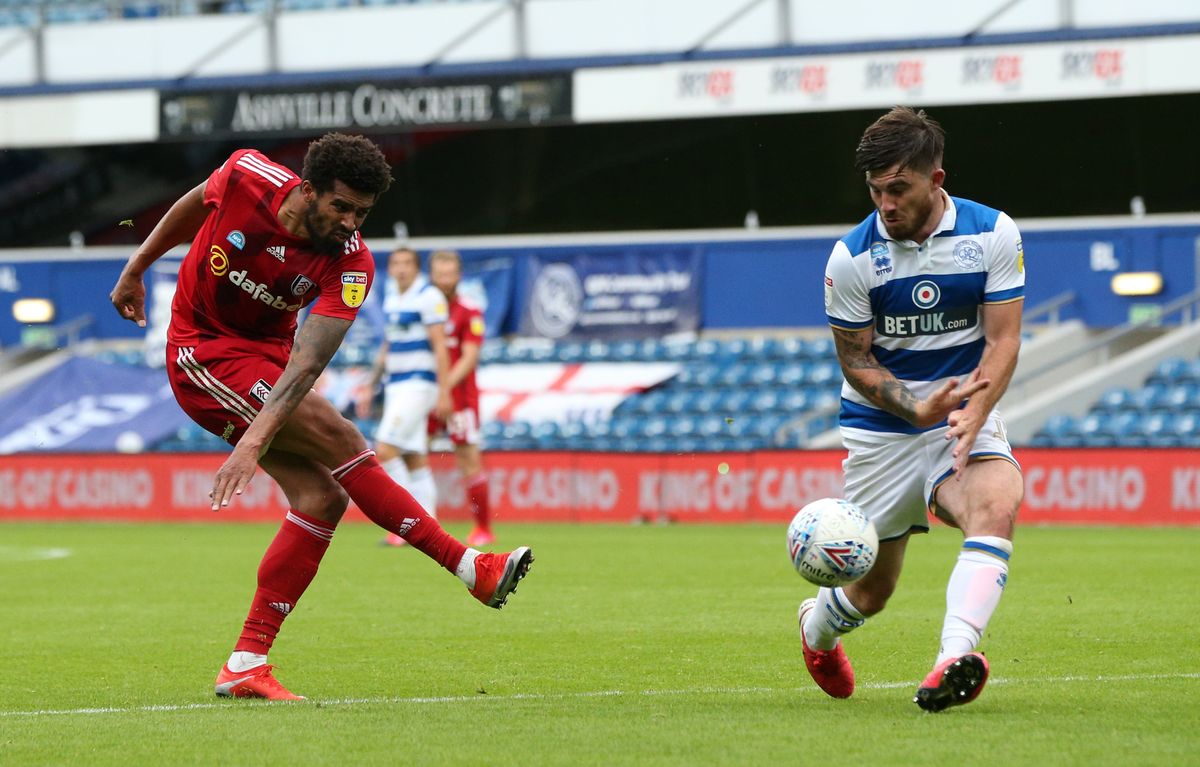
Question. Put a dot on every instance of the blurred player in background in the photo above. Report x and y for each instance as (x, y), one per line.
(412, 363)
(266, 243)
(924, 298)
(464, 336)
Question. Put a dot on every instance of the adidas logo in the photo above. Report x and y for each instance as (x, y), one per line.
(283, 607)
(408, 524)
(276, 250)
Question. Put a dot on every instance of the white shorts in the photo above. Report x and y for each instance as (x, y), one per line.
(405, 421)
(893, 477)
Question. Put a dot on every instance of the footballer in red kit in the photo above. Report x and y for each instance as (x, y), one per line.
(265, 243)
(464, 336)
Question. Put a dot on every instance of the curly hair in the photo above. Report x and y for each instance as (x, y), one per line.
(904, 137)
(356, 161)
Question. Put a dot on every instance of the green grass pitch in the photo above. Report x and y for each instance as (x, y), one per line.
(626, 645)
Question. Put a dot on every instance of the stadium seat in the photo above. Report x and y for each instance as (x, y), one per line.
(1115, 400)
(597, 351)
(571, 351)
(790, 348)
(733, 401)
(794, 400)
(1061, 431)
(792, 374)
(734, 374)
(764, 373)
(1171, 370)
(820, 348)
(706, 401)
(1151, 397)
(764, 401)
(824, 372)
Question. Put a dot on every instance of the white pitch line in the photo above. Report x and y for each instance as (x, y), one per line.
(1103, 679)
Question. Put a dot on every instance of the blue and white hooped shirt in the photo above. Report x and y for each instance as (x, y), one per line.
(408, 314)
(923, 301)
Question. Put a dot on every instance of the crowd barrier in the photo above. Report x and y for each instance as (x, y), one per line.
(1084, 486)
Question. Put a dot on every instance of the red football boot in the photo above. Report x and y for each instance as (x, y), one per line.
(830, 669)
(255, 683)
(497, 575)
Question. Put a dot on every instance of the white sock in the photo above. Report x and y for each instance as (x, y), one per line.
(465, 569)
(422, 487)
(833, 616)
(973, 592)
(396, 469)
(244, 661)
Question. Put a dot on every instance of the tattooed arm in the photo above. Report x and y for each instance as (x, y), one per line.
(882, 389)
(319, 338)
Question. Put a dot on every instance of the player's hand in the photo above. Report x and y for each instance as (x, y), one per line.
(233, 476)
(949, 398)
(128, 297)
(964, 428)
(444, 409)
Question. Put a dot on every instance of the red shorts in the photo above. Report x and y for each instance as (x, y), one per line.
(463, 427)
(222, 383)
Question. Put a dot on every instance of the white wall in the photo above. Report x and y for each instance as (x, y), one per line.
(410, 35)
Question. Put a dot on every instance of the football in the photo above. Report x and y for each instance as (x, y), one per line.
(831, 542)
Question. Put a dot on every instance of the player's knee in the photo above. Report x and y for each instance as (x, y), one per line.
(327, 504)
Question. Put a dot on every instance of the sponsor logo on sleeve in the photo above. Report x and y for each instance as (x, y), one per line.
(477, 326)
(1020, 257)
(237, 239)
(354, 288)
(828, 291)
(218, 262)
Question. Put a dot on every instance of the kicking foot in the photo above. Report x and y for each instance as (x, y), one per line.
(497, 575)
(830, 669)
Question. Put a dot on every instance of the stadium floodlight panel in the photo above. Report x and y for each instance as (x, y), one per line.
(33, 311)
(1137, 283)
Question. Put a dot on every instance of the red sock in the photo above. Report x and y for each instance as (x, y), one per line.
(286, 570)
(477, 492)
(391, 507)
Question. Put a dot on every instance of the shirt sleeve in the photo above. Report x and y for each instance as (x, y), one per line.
(474, 330)
(218, 181)
(255, 172)
(345, 284)
(434, 310)
(1005, 264)
(847, 299)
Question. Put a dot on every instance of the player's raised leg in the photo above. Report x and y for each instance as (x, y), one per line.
(316, 505)
(836, 612)
(984, 504)
(319, 431)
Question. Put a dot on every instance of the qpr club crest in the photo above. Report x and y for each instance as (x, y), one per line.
(301, 285)
(968, 254)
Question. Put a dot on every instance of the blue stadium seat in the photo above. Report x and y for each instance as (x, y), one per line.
(733, 401)
(1151, 397)
(654, 426)
(820, 348)
(1171, 370)
(491, 351)
(764, 373)
(571, 351)
(678, 351)
(764, 401)
(825, 372)
(625, 351)
(706, 401)
(1158, 427)
(792, 374)
(597, 351)
(734, 374)
(790, 348)
(1180, 396)
(1061, 431)
(795, 400)
(678, 401)
(1116, 399)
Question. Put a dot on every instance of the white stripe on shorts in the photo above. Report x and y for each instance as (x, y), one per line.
(199, 375)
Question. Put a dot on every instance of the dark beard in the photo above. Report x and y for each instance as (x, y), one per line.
(325, 245)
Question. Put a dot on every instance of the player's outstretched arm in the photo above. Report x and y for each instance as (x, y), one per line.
(875, 382)
(180, 224)
(319, 339)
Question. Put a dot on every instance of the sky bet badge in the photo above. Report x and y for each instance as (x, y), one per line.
(354, 288)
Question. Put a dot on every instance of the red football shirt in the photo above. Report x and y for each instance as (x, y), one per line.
(465, 324)
(245, 276)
